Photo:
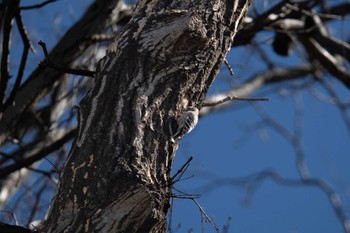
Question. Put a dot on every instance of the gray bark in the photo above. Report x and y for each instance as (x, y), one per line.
(117, 175)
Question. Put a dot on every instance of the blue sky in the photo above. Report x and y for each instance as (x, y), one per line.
(226, 144)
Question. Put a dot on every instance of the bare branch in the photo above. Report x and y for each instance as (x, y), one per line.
(36, 6)
(51, 64)
(340, 10)
(256, 178)
(334, 45)
(5, 171)
(11, 8)
(229, 68)
(317, 52)
(338, 103)
(231, 98)
(256, 82)
(294, 139)
(184, 167)
(308, 13)
(13, 229)
(205, 215)
(26, 46)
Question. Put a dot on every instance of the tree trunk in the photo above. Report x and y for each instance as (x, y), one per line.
(117, 175)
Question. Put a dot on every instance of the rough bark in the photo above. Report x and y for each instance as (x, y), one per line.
(117, 175)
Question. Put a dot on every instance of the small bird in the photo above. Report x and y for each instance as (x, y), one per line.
(186, 122)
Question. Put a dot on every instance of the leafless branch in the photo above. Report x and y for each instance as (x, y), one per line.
(36, 203)
(206, 215)
(231, 98)
(13, 229)
(343, 107)
(256, 178)
(334, 45)
(51, 64)
(5, 171)
(326, 59)
(181, 171)
(229, 68)
(308, 13)
(26, 47)
(10, 10)
(36, 6)
(295, 140)
(256, 82)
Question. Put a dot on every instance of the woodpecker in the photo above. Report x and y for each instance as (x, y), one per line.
(186, 122)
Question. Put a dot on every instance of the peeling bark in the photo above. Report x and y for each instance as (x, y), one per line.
(117, 176)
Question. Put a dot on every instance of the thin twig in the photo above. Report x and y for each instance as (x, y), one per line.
(193, 197)
(170, 215)
(189, 196)
(53, 165)
(231, 98)
(227, 225)
(36, 6)
(180, 172)
(36, 203)
(38, 155)
(202, 222)
(11, 228)
(229, 68)
(308, 13)
(184, 195)
(26, 46)
(205, 215)
(47, 62)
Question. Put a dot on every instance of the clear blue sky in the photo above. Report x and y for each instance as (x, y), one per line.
(227, 145)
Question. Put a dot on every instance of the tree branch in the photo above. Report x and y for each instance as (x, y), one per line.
(256, 82)
(11, 8)
(37, 6)
(51, 64)
(26, 46)
(13, 229)
(231, 98)
(5, 171)
(97, 18)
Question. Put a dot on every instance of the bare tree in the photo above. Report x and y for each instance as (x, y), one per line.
(163, 62)
(116, 177)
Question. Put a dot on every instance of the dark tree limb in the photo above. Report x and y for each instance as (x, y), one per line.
(51, 64)
(334, 46)
(13, 229)
(263, 21)
(10, 9)
(177, 176)
(5, 171)
(26, 47)
(37, 6)
(326, 59)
